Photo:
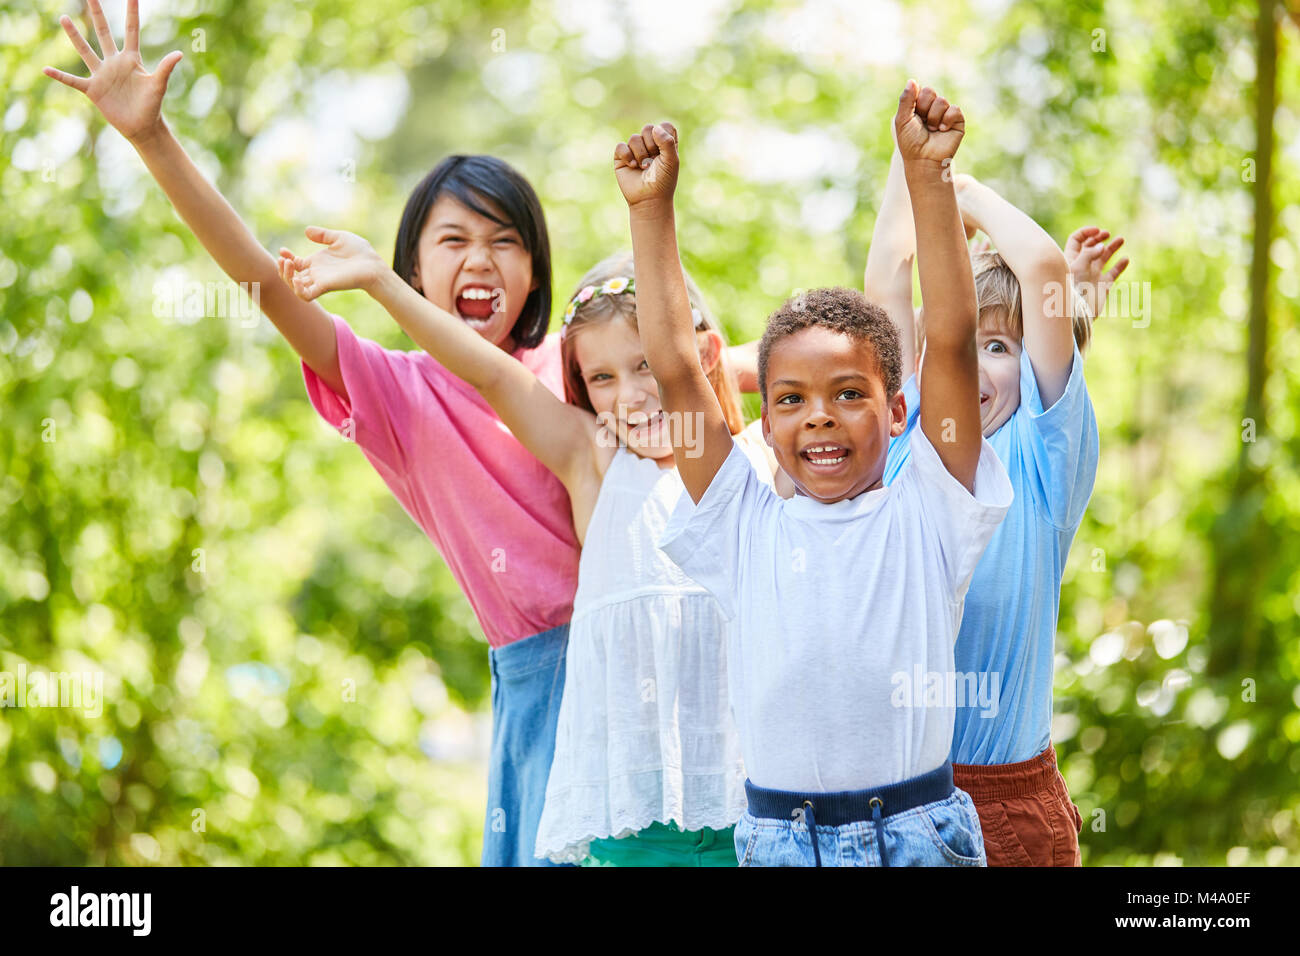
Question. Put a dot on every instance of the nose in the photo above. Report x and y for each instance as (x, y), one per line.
(819, 415)
(478, 258)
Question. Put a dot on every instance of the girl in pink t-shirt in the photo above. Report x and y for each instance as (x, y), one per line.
(473, 240)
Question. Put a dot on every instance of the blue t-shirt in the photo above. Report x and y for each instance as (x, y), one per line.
(1006, 644)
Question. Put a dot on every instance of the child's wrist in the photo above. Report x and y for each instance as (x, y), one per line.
(151, 134)
(651, 210)
(923, 172)
(381, 282)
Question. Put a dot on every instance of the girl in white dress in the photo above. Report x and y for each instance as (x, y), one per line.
(647, 766)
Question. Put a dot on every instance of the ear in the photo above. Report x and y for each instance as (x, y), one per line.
(710, 343)
(897, 414)
(767, 427)
(415, 279)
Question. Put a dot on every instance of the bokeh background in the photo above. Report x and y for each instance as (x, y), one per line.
(174, 515)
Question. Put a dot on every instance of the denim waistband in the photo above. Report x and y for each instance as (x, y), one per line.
(529, 654)
(852, 806)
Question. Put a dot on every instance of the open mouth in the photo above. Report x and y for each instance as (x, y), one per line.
(641, 423)
(825, 456)
(476, 305)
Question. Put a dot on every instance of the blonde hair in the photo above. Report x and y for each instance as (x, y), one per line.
(622, 305)
(997, 288)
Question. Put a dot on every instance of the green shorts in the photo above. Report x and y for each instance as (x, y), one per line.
(666, 845)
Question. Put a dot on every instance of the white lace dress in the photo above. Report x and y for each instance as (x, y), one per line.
(645, 732)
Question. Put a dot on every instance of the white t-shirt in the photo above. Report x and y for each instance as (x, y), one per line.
(841, 663)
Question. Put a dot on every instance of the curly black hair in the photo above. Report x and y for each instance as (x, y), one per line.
(840, 310)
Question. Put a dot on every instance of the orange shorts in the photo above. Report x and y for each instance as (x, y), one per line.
(1025, 811)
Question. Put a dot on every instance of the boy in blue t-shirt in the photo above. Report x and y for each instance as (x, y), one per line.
(1036, 413)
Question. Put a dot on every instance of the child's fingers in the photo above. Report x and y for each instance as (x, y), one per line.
(952, 118)
(924, 100)
(906, 104)
(934, 115)
(623, 156)
(1113, 273)
(639, 152)
(166, 65)
(665, 142)
(88, 55)
(1111, 249)
(106, 42)
(132, 26)
(67, 79)
(321, 235)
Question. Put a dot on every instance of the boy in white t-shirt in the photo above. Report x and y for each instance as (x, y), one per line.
(851, 591)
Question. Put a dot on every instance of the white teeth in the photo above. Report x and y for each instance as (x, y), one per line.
(476, 294)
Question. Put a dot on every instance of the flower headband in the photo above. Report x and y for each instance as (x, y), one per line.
(613, 287)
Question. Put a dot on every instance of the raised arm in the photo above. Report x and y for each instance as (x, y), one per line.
(559, 435)
(1044, 277)
(887, 280)
(646, 167)
(130, 98)
(929, 132)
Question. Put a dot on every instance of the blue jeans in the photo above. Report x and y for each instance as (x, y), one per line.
(910, 829)
(527, 685)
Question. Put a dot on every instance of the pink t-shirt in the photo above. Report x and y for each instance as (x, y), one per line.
(500, 519)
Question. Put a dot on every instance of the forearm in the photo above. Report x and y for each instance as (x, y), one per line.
(1044, 277)
(663, 308)
(1024, 245)
(204, 210)
(455, 346)
(887, 280)
(743, 360)
(212, 220)
(943, 262)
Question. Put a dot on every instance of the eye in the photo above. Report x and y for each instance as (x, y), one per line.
(851, 394)
(451, 240)
(506, 240)
(644, 366)
(791, 399)
(996, 347)
(598, 378)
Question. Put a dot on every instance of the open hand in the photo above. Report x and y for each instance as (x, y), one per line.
(646, 165)
(129, 96)
(1087, 252)
(928, 127)
(346, 262)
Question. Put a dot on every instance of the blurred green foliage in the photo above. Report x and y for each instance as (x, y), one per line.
(290, 673)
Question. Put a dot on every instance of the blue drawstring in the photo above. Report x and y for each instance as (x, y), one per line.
(876, 805)
(810, 818)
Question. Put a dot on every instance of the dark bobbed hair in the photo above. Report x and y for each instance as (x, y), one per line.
(476, 181)
(841, 310)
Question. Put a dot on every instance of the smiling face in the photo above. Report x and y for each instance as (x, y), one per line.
(623, 392)
(999, 357)
(826, 414)
(474, 268)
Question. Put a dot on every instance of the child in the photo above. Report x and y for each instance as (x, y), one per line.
(646, 744)
(1036, 413)
(473, 239)
(849, 583)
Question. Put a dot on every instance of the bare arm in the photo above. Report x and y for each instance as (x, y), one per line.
(888, 277)
(646, 167)
(929, 131)
(1044, 277)
(743, 360)
(560, 436)
(130, 98)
